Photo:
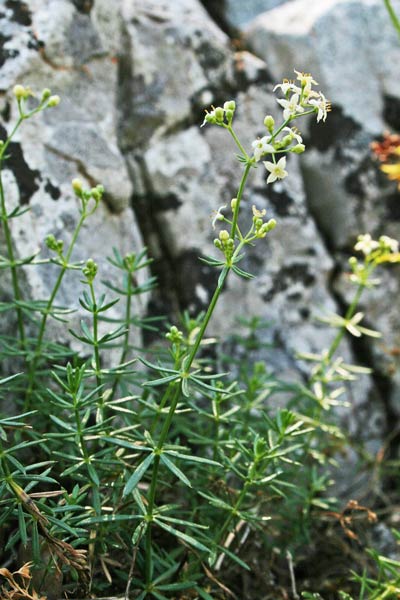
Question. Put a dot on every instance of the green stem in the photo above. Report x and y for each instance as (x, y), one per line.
(97, 362)
(392, 15)
(125, 347)
(8, 239)
(46, 313)
(187, 364)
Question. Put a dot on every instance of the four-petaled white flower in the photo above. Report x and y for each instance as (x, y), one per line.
(306, 81)
(261, 147)
(276, 170)
(322, 105)
(389, 243)
(291, 107)
(366, 244)
(287, 86)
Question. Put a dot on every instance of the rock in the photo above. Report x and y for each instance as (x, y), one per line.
(238, 13)
(174, 58)
(73, 52)
(320, 37)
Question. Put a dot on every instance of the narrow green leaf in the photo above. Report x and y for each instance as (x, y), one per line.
(22, 525)
(183, 536)
(137, 475)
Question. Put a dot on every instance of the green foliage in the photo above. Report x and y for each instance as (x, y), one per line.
(148, 476)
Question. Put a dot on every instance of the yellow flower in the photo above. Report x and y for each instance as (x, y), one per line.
(392, 171)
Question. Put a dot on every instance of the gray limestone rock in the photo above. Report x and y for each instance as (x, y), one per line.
(71, 52)
(349, 46)
(173, 58)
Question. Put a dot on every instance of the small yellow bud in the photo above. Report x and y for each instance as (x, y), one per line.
(223, 235)
(54, 101)
(19, 92)
(233, 203)
(77, 186)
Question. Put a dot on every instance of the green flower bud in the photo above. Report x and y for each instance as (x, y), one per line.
(210, 117)
(269, 123)
(271, 224)
(90, 270)
(97, 192)
(217, 244)
(229, 115)
(353, 261)
(230, 105)
(219, 114)
(286, 140)
(233, 204)
(53, 101)
(53, 244)
(298, 148)
(223, 235)
(46, 94)
(174, 335)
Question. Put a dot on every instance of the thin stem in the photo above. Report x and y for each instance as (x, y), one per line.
(96, 351)
(178, 391)
(125, 347)
(8, 239)
(395, 20)
(47, 310)
(237, 141)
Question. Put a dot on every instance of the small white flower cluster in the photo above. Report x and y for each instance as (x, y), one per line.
(303, 98)
(299, 101)
(367, 245)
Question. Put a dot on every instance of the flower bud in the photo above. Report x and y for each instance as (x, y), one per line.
(97, 192)
(229, 115)
(77, 185)
(298, 148)
(271, 224)
(54, 101)
(233, 203)
(20, 92)
(46, 94)
(90, 270)
(219, 114)
(353, 261)
(269, 123)
(230, 105)
(287, 140)
(223, 235)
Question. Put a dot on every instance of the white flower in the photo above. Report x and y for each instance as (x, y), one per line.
(322, 105)
(291, 107)
(389, 243)
(306, 81)
(366, 244)
(287, 86)
(293, 133)
(261, 147)
(276, 170)
(217, 216)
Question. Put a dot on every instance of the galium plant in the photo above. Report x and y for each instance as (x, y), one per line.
(154, 485)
